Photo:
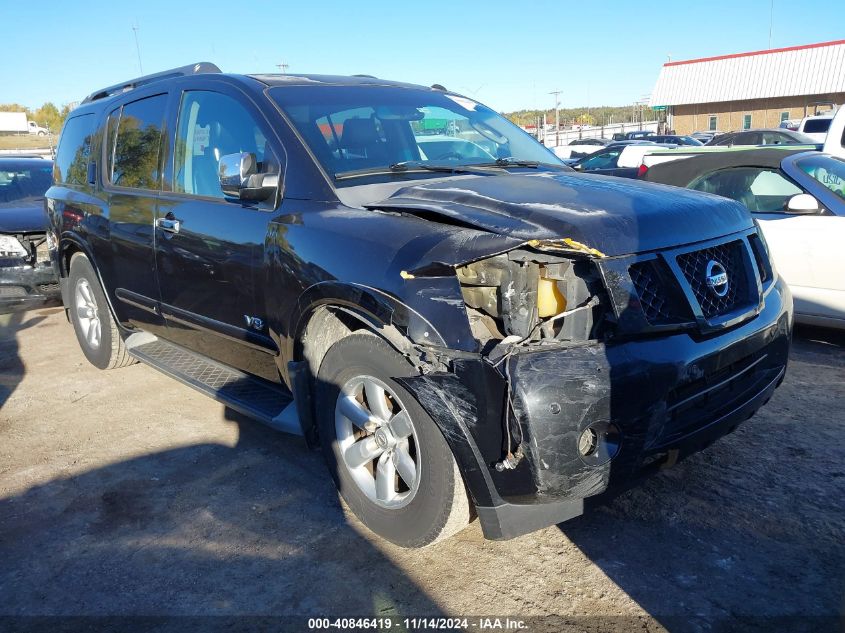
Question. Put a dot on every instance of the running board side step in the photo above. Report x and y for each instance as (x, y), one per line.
(274, 406)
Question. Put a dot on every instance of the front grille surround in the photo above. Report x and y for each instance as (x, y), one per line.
(667, 290)
(733, 256)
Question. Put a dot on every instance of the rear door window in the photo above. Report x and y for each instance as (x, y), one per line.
(71, 166)
(136, 161)
(775, 138)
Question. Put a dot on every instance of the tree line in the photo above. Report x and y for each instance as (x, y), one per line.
(48, 115)
(600, 115)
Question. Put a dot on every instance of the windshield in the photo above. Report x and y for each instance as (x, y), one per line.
(353, 129)
(828, 170)
(24, 181)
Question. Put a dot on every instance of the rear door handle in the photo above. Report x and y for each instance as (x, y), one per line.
(171, 225)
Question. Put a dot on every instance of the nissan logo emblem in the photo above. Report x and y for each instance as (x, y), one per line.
(717, 278)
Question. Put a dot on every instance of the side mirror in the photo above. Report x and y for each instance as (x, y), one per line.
(802, 204)
(239, 180)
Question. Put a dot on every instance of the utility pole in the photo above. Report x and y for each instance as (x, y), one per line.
(137, 47)
(771, 20)
(283, 68)
(556, 93)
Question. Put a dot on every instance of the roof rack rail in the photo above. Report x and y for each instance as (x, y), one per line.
(365, 76)
(190, 69)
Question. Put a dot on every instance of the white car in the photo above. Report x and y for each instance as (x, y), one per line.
(834, 143)
(579, 148)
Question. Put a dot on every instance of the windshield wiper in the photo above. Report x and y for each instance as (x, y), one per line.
(510, 161)
(413, 165)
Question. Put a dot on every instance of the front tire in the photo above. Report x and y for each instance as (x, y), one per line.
(92, 321)
(387, 456)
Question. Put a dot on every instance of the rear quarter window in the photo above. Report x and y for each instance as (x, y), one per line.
(71, 164)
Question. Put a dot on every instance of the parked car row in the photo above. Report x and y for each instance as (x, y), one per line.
(775, 136)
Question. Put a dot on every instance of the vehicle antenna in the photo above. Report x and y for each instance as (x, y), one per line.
(137, 47)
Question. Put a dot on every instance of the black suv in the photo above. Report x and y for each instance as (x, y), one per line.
(487, 332)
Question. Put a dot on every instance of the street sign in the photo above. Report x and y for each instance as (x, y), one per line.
(658, 108)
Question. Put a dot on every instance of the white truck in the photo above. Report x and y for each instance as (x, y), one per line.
(17, 123)
(834, 142)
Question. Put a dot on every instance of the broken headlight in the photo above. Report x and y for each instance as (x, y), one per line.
(530, 296)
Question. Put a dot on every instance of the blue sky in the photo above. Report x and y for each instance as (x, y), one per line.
(508, 55)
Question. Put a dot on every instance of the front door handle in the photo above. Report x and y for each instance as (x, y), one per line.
(171, 225)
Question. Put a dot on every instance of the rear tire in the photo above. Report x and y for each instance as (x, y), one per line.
(425, 500)
(92, 321)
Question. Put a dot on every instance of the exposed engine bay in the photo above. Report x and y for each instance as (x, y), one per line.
(523, 296)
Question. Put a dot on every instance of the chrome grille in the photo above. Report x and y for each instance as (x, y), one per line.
(732, 257)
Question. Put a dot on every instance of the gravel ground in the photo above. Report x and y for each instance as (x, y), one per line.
(125, 492)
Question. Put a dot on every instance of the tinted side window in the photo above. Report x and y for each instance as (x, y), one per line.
(747, 138)
(604, 160)
(817, 126)
(828, 170)
(138, 144)
(71, 166)
(212, 125)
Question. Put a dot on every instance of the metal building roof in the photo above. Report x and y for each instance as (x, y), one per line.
(780, 72)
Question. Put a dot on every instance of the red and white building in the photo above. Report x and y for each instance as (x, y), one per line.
(751, 90)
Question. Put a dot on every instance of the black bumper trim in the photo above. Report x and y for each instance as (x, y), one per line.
(509, 520)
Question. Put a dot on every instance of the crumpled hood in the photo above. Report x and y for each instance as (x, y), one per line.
(23, 216)
(617, 216)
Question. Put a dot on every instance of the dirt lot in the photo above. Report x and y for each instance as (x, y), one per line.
(27, 141)
(125, 492)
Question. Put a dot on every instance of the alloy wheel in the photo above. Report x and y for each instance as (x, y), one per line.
(377, 441)
(87, 314)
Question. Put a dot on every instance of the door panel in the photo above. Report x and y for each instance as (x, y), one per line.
(207, 280)
(132, 180)
(209, 250)
(807, 252)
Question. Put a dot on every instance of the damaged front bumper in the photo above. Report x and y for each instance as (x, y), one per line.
(25, 286)
(592, 418)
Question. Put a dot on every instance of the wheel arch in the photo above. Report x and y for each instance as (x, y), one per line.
(327, 311)
(335, 316)
(330, 311)
(69, 247)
